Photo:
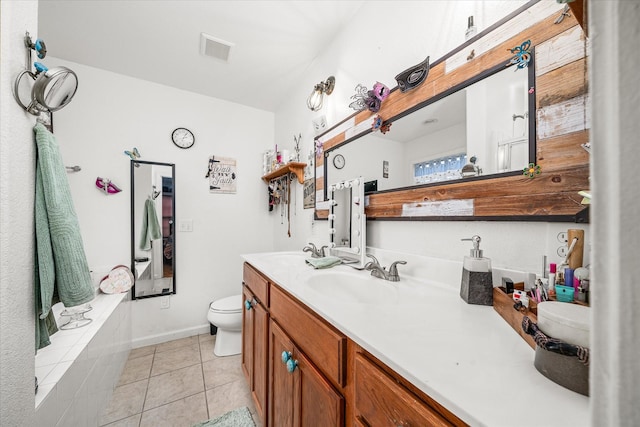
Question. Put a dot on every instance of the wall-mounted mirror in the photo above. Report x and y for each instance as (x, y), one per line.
(347, 221)
(543, 119)
(153, 228)
(483, 124)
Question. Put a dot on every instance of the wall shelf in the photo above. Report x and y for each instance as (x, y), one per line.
(295, 167)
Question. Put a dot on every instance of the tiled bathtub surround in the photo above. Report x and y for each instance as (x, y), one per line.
(78, 371)
(177, 383)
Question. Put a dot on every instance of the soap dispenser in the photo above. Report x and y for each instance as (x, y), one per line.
(477, 281)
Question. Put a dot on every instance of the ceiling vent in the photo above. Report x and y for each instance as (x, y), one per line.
(216, 48)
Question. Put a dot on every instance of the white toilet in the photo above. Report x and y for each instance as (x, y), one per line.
(226, 315)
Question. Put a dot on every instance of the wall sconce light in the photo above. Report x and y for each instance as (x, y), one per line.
(315, 100)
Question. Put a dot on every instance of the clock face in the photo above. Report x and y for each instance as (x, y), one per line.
(338, 161)
(183, 138)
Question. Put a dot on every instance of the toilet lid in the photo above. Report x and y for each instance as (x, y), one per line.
(228, 304)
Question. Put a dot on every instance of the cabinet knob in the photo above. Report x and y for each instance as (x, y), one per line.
(291, 365)
(247, 305)
(286, 356)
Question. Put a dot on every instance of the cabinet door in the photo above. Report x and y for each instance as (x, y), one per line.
(381, 401)
(247, 336)
(281, 392)
(300, 395)
(260, 358)
(317, 402)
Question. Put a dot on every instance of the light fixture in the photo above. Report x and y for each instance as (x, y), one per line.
(315, 100)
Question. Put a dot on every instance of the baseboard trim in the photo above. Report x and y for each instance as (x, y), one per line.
(169, 336)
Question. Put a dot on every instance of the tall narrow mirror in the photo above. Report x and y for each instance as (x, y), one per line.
(347, 221)
(153, 228)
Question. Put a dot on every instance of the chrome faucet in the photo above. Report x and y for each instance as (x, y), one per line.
(378, 271)
(315, 252)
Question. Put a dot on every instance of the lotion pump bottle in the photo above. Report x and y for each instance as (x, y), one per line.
(477, 279)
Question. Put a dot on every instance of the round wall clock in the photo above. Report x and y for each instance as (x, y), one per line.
(183, 138)
(338, 161)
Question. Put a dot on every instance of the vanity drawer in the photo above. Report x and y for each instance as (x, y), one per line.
(381, 401)
(325, 346)
(257, 283)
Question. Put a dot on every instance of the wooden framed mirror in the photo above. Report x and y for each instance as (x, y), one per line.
(558, 126)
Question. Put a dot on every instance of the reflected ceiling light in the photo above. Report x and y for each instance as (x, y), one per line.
(315, 100)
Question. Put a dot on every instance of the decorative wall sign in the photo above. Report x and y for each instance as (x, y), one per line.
(385, 169)
(222, 175)
(309, 192)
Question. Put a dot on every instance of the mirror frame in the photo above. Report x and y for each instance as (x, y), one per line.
(133, 229)
(551, 196)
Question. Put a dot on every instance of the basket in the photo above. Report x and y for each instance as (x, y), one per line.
(564, 293)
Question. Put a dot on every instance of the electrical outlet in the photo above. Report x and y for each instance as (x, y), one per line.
(164, 302)
(562, 251)
(562, 237)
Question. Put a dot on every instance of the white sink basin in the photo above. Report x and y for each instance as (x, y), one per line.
(353, 288)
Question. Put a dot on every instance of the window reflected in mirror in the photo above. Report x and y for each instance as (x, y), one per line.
(153, 228)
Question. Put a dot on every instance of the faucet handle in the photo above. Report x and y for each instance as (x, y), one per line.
(323, 251)
(393, 269)
(375, 260)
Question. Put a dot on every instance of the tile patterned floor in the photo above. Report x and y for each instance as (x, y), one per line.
(177, 384)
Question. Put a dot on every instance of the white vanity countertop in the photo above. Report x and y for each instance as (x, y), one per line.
(466, 357)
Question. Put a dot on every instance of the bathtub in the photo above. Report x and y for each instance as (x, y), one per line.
(79, 370)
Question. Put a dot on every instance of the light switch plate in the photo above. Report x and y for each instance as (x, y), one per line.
(165, 302)
(186, 225)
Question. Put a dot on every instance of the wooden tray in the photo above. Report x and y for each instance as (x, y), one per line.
(503, 304)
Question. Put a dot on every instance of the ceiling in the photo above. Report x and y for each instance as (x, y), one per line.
(274, 42)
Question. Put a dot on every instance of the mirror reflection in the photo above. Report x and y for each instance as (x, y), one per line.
(152, 228)
(347, 221)
(481, 129)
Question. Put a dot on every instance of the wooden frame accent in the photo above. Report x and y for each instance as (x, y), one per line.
(562, 123)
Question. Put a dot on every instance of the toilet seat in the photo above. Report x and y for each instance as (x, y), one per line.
(232, 304)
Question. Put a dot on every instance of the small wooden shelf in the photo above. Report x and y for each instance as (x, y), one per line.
(295, 167)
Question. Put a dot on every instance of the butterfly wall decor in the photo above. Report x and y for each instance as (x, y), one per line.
(522, 55)
(133, 154)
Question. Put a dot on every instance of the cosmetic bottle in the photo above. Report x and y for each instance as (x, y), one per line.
(471, 29)
(552, 279)
(477, 280)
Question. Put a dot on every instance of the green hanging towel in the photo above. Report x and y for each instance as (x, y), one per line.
(150, 225)
(61, 268)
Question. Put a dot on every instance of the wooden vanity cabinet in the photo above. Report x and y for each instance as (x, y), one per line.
(255, 337)
(333, 381)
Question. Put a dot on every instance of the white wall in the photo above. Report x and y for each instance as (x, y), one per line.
(17, 189)
(112, 113)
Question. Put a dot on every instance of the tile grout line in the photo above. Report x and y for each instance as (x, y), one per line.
(204, 384)
(146, 390)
